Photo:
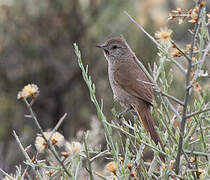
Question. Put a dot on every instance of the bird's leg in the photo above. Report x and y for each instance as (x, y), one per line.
(123, 112)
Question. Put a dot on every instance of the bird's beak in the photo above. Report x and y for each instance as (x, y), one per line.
(103, 46)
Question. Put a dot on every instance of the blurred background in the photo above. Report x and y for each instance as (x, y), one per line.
(36, 46)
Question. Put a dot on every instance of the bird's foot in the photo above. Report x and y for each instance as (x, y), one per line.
(124, 112)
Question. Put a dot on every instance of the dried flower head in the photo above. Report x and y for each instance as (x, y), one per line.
(134, 174)
(208, 15)
(181, 20)
(164, 36)
(64, 154)
(30, 90)
(50, 172)
(121, 159)
(56, 139)
(171, 165)
(196, 86)
(177, 11)
(196, 9)
(192, 159)
(129, 166)
(163, 166)
(33, 159)
(40, 144)
(201, 173)
(203, 3)
(171, 16)
(188, 47)
(194, 15)
(73, 148)
(112, 167)
(176, 53)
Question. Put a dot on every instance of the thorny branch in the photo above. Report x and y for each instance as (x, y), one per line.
(187, 92)
(196, 113)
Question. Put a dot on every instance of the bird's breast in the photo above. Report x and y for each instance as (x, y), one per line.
(119, 93)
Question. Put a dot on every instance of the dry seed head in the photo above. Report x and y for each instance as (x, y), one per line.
(129, 166)
(121, 159)
(208, 15)
(176, 53)
(177, 11)
(194, 17)
(192, 159)
(197, 86)
(40, 144)
(171, 16)
(33, 159)
(181, 20)
(64, 154)
(196, 9)
(56, 139)
(112, 167)
(30, 90)
(201, 173)
(193, 20)
(190, 11)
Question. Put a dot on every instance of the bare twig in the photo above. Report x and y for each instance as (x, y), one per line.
(163, 93)
(57, 126)
(179, 49)
(158, 45)
(172, 98)
(99, 175)
(99, 155)
(21, 147)
(198, 112)
(6, 174)
(197, 153)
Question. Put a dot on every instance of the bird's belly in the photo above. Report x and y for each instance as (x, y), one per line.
(121, 95)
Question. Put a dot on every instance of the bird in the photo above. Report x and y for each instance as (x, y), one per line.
(129, 84)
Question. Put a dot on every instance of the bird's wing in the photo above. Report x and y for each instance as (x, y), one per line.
(127, 75)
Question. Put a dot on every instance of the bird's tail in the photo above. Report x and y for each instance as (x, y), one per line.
(147, 120)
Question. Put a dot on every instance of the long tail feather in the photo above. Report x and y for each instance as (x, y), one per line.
(147, 120)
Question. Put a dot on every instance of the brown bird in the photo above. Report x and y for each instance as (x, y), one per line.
(127, 81)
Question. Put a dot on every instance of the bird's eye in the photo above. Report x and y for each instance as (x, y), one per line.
(114, 47)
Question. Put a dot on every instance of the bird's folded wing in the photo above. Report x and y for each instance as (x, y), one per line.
(130, 77)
